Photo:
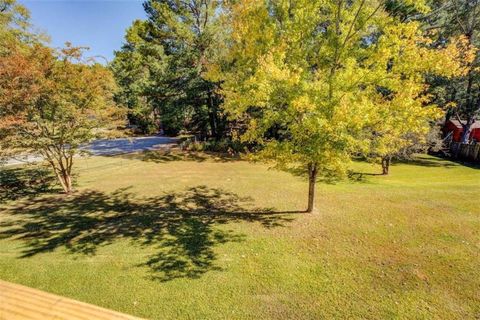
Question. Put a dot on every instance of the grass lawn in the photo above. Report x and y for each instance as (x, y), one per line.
(169, 237)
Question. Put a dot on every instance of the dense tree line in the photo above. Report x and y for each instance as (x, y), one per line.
(162, 66)
(307, 83)
(461, 95)
(446, 20)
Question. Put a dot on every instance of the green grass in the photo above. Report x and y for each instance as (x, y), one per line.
(168, 237)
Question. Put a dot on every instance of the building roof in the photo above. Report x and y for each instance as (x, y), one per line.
(476, 124)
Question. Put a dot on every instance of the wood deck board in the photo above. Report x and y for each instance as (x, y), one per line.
(40, 298)
(19, 302)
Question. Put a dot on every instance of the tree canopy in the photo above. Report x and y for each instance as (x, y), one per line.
(161, 67)
(317, 81)
(451, 19)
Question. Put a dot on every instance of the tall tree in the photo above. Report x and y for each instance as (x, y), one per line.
(161, 67)
(310, 77)
(452, 19)
(136, 67)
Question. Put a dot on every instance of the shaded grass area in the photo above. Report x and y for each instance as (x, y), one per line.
(25, 181)
(189, 238)
(176, 154)
(180, 225)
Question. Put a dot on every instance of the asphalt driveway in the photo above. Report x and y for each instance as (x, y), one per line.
(110, 147)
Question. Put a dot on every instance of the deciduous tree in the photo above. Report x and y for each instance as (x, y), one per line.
(69, 101)
(312, 77)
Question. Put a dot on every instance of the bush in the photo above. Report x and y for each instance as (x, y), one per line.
(220, 146)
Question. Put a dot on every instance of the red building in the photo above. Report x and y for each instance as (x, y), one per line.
(455, 127)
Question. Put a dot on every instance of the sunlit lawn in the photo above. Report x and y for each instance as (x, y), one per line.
(168, 238)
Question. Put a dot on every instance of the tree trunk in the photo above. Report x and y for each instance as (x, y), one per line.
(61, 163)
(63, 175)
(385, 165)
(467, 130)
(65, 180)
(212, 115)
(312, 179)
(470, 103)
(68, 183)
(213, 125)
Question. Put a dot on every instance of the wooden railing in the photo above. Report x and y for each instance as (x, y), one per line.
(469, 152)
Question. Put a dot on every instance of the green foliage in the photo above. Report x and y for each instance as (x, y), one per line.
(135, 67)
(15, 26)
(14, 21)
(460, 96)
(161, 67)
(317, 81)
(227, 146)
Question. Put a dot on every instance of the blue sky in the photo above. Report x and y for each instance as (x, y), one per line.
(98, 24)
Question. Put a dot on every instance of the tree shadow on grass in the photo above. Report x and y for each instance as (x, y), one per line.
(183, 227)
(354, 176)
(25, 181)
(163, 156)
(169, 155)
(421, 161)
(324, 176)
(431, 162)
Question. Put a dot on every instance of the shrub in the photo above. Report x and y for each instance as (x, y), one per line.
(221, 146)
